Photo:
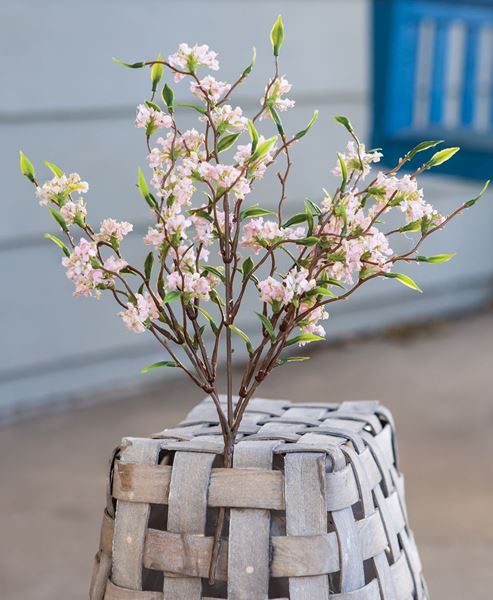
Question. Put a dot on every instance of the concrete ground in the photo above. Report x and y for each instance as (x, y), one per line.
(437, 381)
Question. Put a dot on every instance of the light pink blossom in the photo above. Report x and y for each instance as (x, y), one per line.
(72, 210)
(151, 119)
(59, 188)
(256, 169)
(80, 269)
(275, 92)
(271, 290)
(135, 316)
(209, 88)
(225, 177)
(111, 230)
(194, 284)
(357, 159)
(226, 118)
(188, 58)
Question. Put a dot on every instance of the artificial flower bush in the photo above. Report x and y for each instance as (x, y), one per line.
(210, 238)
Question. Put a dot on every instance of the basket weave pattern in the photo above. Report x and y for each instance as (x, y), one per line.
(314, 503)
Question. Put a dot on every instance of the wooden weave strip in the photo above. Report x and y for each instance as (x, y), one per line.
(315, 509)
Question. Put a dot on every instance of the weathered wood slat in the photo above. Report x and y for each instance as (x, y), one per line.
(306, 514)
(187, 513)
(238, 488)
(131, 520)
(249, 532)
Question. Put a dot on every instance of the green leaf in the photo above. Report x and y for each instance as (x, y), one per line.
(54, 169)
(344, 121)
(252, 130)
(295, 219)
(158, 365)
(309, 218)
(58, 242)
(157, 71)
(481, 193)
(255, 211)
(243, 336)
(215, 297)
(277, 35)
(421, 147)
(413, 226)
(136, 65)
(263, 148)
(214, 271)
(149, 261)
(404, 279)
(303, 132)
(153, 105)
(247, 267)
(196, 107)
(322, 291)
(267, 326)
(315, 208)
(168, 96)
(343, 167)
(283, 361)
(171, 296)
(308, 241)
(26, 165)
(277, 119)
(59, 219)
(227, 141)
(436, 258)
(304, 337)
(440, 157)
(249, 69)
(205, 314)
(144, 189)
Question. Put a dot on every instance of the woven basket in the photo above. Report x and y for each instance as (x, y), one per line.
(314, 504)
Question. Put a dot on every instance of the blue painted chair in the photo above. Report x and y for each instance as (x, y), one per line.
(433, 79)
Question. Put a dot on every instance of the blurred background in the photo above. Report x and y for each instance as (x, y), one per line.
(403, 71)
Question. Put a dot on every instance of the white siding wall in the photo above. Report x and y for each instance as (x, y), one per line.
(64, 100)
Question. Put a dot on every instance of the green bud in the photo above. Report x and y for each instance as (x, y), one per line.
(26, 165)
(156, 73)
(168, 97)
(277, 35)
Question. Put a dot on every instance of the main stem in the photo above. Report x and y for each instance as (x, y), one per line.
(229, 311)
(228, 435)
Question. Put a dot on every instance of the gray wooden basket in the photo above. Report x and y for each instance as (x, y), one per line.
(314, 501)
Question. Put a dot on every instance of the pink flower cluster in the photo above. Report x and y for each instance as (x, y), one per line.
(370, 251)
(258, 234)
(294, 285)
(357, 160)
(311, 323)
(226, 118)
(257, 168)
(150, 119)
(188, 58)
(225, 177)
(83, 273)
(192, 283)
(112, 231)
(72, 210)
(209, 89)
(137, 315)
(57, 189)
(404, 193)
(274, 92)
